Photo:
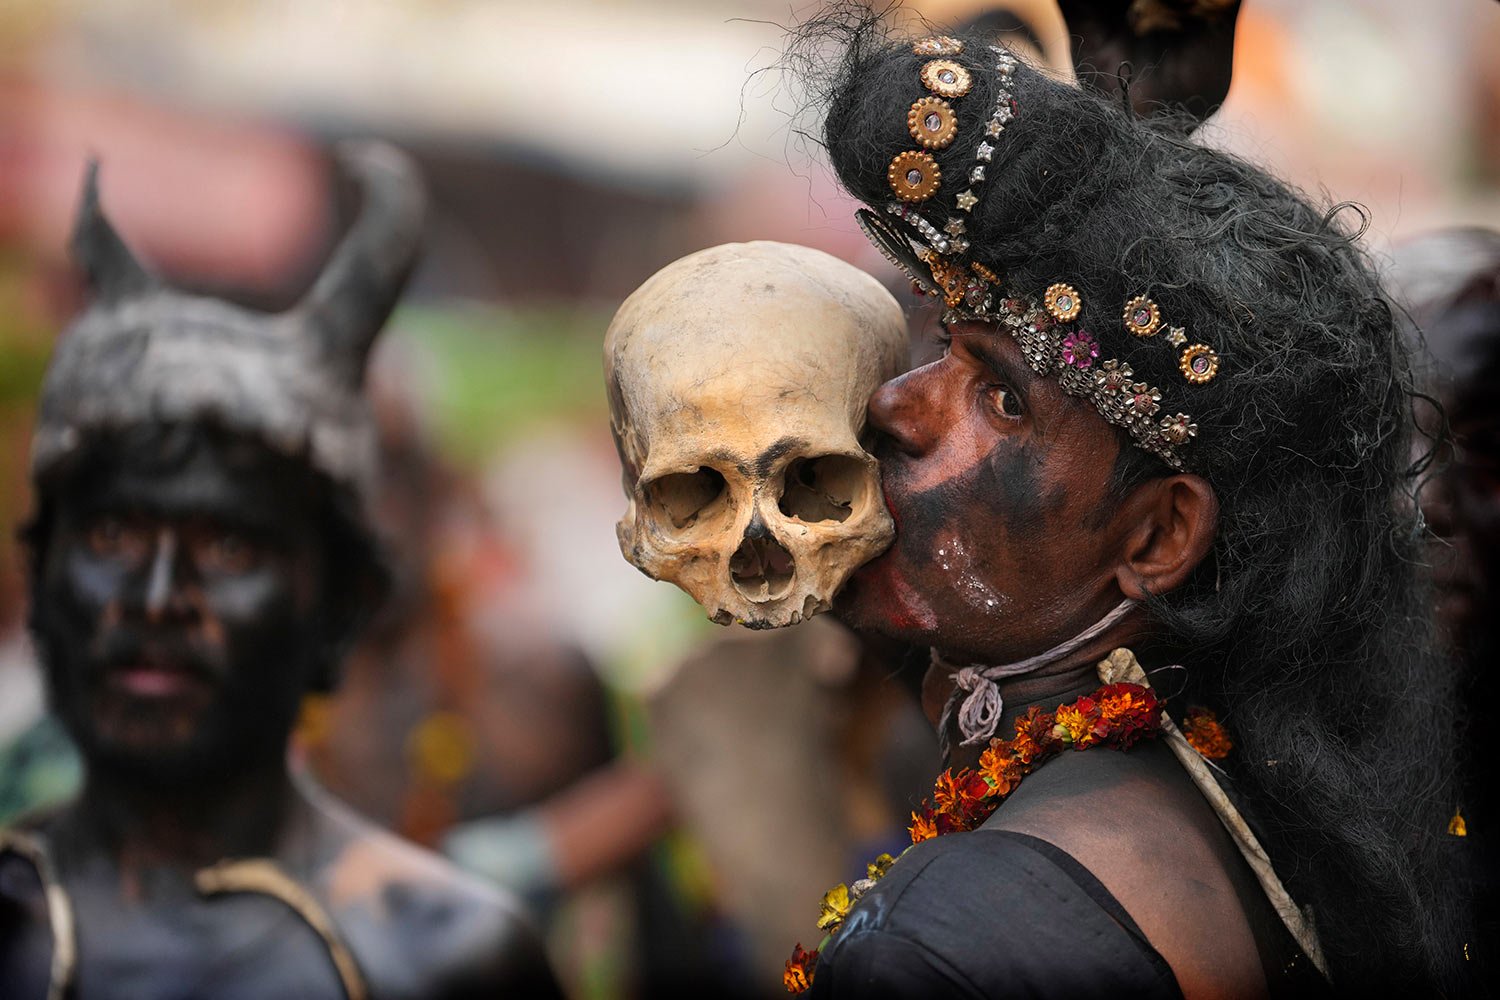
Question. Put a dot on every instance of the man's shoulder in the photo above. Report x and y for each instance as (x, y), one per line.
(988, 911)
(419, 923)
(978, 871)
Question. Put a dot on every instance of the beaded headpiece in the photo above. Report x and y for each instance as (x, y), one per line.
(1050, 338)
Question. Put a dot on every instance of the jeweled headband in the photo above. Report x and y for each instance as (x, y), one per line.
(1050, 339)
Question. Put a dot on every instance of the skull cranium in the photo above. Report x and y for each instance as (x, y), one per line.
(738, 379)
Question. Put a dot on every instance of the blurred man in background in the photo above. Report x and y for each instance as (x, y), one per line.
(201, 557)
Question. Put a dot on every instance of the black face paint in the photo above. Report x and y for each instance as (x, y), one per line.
(1008, 483)
(180, 608)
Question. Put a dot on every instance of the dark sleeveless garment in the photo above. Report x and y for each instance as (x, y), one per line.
(993, 913)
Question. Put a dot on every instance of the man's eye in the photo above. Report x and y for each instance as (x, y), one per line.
(113, 537)
(1004, 400)
(226, 552)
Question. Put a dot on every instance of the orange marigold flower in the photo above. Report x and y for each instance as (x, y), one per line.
(999, 768)
(835, 907)
(1024, 748)
(799, 969)
(944, 792)
(1206, 734)
(923, 824)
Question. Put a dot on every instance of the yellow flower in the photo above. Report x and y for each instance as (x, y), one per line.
(1456, 826)
(1071, 725)
(835, 907)
(876, 869)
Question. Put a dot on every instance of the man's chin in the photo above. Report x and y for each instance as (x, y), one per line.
(878, 599)
(157, 743)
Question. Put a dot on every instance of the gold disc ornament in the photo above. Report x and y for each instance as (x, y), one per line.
(1062, 302)
(938, 45)
(946, 78)
(1199, 364)
(932, 123)
(1142, 318)
(914, 175)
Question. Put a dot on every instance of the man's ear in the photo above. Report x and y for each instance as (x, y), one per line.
(1169, 528)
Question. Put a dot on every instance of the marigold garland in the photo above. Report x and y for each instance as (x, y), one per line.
(1115, 716)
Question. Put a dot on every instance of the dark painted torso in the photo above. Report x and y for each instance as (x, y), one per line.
(416, 928)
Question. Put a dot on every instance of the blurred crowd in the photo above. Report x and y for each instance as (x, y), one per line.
(526, 702)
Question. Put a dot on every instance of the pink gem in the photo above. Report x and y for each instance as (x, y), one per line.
(1079, 350)
(1200, 364)
(1142, 317)
(914, 177)
(933, 122)
(1064, 303)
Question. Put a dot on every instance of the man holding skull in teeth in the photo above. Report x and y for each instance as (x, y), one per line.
(1171, 417)
(1167, 445)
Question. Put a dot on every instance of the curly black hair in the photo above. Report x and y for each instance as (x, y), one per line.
(1307, 627)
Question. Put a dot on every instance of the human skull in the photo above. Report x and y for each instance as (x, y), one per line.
(738, 378)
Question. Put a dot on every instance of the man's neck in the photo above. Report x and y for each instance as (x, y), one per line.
(1050, 685)
(144, 826)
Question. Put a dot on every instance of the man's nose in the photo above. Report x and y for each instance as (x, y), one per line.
(908, 409)
(163, 594)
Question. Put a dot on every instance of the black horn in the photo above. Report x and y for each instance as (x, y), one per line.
(361, 282)
(112, 270)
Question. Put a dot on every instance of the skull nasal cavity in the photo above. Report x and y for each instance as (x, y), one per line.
(823, 489)
(686, 496)
(761, 569)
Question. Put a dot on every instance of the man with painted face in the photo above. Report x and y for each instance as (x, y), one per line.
(201, 559)
(1169, 432)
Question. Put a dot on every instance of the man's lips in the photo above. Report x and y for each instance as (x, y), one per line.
(155, 679)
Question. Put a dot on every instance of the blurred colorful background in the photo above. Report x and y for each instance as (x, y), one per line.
(571, 149)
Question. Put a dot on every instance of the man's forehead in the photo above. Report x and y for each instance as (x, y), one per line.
(997, 348)
(190, 470)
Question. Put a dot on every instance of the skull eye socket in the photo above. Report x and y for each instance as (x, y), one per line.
(687, 496)
(823, 489)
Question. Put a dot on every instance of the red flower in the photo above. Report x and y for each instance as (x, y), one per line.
(1129, 711)
(975, 799)
(1036, 727)
(799, 969)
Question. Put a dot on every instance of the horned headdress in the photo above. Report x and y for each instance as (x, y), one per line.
(146, 352)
